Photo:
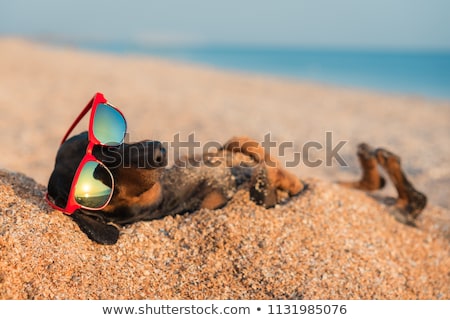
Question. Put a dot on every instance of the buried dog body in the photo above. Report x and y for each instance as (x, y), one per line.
(142, 188)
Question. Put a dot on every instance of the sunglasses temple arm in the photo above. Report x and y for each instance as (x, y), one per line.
(78, 119)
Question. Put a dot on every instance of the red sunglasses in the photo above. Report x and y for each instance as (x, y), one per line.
(107, 127)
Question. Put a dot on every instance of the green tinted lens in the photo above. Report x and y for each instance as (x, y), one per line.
(94, 186)
(109, 125)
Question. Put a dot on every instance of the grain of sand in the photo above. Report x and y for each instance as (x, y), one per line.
(327, 243)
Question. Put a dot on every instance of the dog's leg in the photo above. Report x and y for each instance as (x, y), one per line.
(249, 147)
(371, 179)
(98, 231)
(268, 176)
(410, 202)
(214, 200)
(262, 189)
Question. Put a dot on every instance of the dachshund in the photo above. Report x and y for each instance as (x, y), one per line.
(146, 189)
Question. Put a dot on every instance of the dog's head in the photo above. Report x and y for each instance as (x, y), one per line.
(136, 169)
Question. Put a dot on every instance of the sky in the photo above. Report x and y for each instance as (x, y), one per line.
(365, 24)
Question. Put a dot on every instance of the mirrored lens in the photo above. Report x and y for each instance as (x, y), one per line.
(109, 125)
(94, 186)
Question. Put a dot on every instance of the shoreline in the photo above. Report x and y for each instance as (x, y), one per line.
(190, 55)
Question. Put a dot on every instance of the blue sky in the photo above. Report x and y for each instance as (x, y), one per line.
(380, 24)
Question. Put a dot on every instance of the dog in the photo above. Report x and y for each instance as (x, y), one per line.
(146, 189)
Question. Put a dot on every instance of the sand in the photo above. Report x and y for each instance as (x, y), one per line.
(328, 243)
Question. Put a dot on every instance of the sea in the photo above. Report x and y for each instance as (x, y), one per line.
(416, 73)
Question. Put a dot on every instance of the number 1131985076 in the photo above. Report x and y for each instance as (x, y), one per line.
(307, 309)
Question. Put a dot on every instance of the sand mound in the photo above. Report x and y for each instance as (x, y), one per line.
(328, 243)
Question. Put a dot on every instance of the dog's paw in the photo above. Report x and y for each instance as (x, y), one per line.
(95, 230)
(261, 191)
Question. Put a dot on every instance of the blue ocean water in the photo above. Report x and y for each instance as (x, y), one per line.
(417, 73)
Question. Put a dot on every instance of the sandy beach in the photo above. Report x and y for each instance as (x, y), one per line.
(330, 243)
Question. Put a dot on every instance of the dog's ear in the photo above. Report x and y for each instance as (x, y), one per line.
(95, 230)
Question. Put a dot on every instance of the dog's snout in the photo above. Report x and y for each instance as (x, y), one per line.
(144, 155)
(159, 155)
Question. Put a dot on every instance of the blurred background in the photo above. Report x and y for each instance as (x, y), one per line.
(395, 46)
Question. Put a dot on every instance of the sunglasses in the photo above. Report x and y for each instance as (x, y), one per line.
(93, 184)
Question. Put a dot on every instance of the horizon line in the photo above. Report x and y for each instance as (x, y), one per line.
(198, 44)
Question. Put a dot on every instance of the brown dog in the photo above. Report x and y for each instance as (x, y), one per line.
(144, 189)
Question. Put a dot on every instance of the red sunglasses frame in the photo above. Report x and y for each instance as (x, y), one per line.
(92, 105)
